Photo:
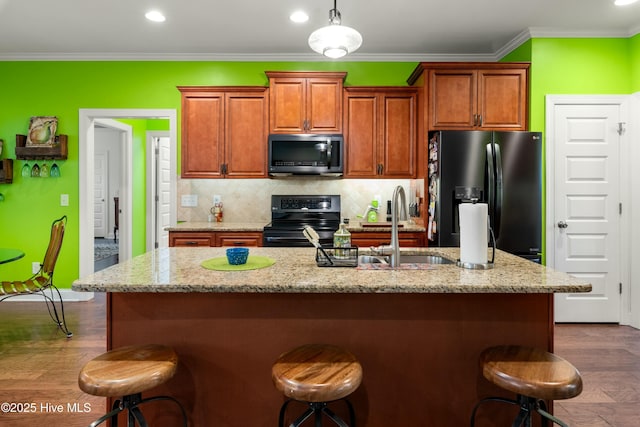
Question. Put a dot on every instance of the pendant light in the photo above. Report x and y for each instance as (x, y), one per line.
(335, 40)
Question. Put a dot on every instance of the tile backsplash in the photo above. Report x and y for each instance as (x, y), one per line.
(249, 200)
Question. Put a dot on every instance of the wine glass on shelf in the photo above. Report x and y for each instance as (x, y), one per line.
(44, 171)
(35, 171)
(26, 170)
(55, 171)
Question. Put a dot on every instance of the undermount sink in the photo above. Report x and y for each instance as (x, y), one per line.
(424, 259)
(406, 259)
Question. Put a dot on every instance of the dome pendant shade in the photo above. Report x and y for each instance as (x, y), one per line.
(334, 40)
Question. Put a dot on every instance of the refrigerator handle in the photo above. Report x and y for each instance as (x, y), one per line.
(499, 192)
(490, 181)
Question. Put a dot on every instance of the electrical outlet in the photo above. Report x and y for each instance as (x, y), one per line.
(35, 267)
(217, 199)
(64, 200)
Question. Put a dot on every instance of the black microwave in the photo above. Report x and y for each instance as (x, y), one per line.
(308, 154)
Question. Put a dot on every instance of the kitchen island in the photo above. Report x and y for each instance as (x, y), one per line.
(416, 331)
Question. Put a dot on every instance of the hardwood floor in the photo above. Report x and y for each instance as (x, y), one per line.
(39, 368)
(608, 357)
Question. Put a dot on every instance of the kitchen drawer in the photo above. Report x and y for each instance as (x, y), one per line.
(366, 239)
(191, 239)
(238, 239)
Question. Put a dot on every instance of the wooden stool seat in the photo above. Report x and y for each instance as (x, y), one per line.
(534, 375)
(531, 372)
(317, 374)
(128, 370)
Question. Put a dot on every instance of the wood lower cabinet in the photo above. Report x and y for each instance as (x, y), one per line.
(191, 238)
(305, 102)
(474, 96)
(224, 132)
(380, 132)
(407, 239)
(238, 239)
(215, 238)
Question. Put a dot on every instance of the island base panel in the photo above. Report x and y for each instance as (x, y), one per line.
(419, 352)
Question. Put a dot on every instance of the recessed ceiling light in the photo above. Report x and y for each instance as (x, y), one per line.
(624, 2)
(155, 16)
(299, 17)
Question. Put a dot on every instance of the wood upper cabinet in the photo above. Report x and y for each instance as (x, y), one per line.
(305, 102)
(224, 132)
(474, 96)
(380, 132)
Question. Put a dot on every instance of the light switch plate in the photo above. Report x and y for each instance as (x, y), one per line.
(64, 200)
(189, 201)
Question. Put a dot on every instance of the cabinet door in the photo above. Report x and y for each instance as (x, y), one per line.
(191, 239)
(246, 127)
(287, 105)
(361, 124)
(324, 105)
(202, 135)
(453, 99)
(398, 143)
(502, 99)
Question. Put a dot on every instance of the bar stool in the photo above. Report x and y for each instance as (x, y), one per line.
(534, 375)
(126, 372)
(317, 374)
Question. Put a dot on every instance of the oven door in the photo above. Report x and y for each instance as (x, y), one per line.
(274, 237)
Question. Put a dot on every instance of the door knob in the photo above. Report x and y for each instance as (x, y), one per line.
(562, 224)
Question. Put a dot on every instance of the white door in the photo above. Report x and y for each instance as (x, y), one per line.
(585, 145)
(100, 213)
(163, 193)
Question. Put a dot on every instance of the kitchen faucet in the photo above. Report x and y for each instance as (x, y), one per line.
(394, 247)
(398, 196)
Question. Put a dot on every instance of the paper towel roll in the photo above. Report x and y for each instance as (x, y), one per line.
(474, 233)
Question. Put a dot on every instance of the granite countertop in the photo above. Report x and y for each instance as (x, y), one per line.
(404, 226)
(354, 226)
(295, 271)
(217, 226)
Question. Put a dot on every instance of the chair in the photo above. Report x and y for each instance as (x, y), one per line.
(317, 374)
(534, 375)
(124, 373)
(42, 281)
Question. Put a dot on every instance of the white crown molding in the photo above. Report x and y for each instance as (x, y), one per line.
(513, 44)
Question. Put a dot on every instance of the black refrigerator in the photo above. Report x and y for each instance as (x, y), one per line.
(502, 169)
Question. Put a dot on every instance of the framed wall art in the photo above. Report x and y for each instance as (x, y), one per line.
(42, 131)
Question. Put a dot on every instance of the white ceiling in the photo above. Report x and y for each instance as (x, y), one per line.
(260, 30)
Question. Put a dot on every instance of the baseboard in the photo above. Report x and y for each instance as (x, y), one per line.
(67, 296)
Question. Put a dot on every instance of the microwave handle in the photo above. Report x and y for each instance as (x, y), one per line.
(329, 153)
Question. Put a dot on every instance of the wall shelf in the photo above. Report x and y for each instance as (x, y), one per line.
(6, 171)
(55, 152)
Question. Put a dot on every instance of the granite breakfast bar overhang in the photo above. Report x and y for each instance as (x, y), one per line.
(417, 333)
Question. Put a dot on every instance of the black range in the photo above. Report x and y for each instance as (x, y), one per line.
(290, 214)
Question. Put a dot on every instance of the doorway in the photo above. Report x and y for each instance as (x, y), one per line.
(588, 204)
(88, 119)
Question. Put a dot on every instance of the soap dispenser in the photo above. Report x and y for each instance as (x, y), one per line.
(341, 239)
